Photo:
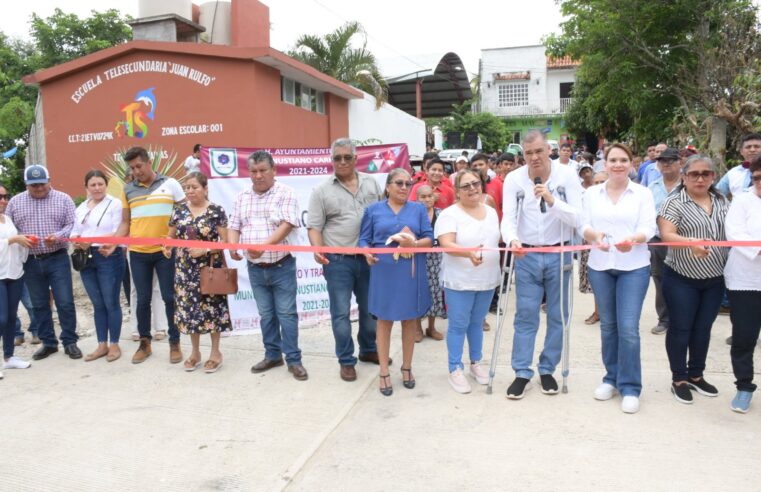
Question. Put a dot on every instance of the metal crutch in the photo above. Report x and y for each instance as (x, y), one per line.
(502, 301)
(566, 320)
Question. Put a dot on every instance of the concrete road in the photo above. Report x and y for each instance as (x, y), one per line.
(71, 425)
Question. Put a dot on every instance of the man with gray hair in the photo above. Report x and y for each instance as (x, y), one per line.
(336, 208)
(267, 213)
(542, 207)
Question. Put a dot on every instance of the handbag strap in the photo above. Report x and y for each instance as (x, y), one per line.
(211, 259)
(104, 213)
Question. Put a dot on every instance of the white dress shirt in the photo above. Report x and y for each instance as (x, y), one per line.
(532, 226)
(743, 223)
(634, 213)
(12, 256)
(102, 220)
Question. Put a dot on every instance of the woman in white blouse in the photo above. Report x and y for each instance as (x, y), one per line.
(619, 218)
(13, 252)
(98, 216)
(469, 278)
(742, 275)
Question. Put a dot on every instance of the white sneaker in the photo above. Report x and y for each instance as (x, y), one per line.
(1, 374)
(630, 404)
(135, 336)
(16, 363)
(605, 392)
(479, 373)
(458, 382)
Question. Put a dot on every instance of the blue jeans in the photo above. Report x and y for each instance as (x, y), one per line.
(619, 296)
(466, 310)
(41, 276)
(346, 275)
(27, 302)
(535, 275)
(102, 280)
(275, 295)
(143, 266)
(10, 294)
(693, 307)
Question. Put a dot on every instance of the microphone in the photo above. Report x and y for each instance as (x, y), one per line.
(542, 205)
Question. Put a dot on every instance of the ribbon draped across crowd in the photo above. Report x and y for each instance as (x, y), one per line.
(351, 221)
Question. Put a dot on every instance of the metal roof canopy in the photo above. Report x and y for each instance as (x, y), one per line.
(431, 92)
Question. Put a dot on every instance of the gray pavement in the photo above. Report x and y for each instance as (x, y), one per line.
(71, 425)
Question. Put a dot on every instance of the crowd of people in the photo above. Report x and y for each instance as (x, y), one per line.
(618, 208)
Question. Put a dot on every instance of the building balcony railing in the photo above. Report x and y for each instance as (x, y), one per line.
(559, 106)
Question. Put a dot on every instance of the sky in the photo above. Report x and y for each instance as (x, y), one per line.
(398, 30)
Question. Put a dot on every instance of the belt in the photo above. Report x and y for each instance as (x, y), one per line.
(270, 265)
(545, 246)
(347, 255)
(42, 256)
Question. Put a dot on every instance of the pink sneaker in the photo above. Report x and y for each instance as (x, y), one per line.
(458, 382)
(479, 373)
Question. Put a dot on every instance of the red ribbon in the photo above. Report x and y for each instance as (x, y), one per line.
(184, 243)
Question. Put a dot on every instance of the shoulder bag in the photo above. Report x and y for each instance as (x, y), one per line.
(218, 281)
(82, 258)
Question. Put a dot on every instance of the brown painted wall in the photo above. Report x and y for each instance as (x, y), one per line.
(240, 104)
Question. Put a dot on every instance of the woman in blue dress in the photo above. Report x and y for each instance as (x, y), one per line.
(398, 282)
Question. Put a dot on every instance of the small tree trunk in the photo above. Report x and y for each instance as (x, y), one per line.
(717, 146)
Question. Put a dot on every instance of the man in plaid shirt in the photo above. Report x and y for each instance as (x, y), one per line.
(49, 215)
(267, 213)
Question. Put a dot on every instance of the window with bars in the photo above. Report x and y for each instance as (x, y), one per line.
(514, 94)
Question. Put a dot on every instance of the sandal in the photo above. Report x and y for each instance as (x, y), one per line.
(408, 383)
(593, 318)
(211, 366)
(191, 364)
(387, 390)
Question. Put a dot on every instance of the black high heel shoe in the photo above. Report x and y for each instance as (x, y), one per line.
(408, 383)
(388, 390)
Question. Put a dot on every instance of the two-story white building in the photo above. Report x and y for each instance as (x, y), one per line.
(527, 88)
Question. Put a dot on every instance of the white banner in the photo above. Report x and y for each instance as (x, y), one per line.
(225, 184)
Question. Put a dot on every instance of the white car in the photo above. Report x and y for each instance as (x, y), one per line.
(451, 155)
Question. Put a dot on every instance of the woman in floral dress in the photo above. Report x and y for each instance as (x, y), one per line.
(196, 313)
(427, 197)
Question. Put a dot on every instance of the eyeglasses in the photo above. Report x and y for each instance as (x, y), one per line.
(755, 179)
(695, 175)
(5, 197)
(473, 185)
(343, 157)
(403, 184)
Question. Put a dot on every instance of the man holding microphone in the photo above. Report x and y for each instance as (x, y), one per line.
(548, 215)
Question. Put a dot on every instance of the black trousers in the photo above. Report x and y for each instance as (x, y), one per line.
(746, 323)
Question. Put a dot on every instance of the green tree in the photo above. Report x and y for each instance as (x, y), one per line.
(489, 127)
(63, 37)
(661, 69)
(56, 39)
(334, 55)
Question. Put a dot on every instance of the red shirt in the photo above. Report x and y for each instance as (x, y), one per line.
(494, 190)
(446, 194)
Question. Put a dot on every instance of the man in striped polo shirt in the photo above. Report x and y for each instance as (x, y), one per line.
(147, 203)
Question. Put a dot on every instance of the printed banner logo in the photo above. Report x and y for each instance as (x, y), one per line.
(224, 162)
(135, 113)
